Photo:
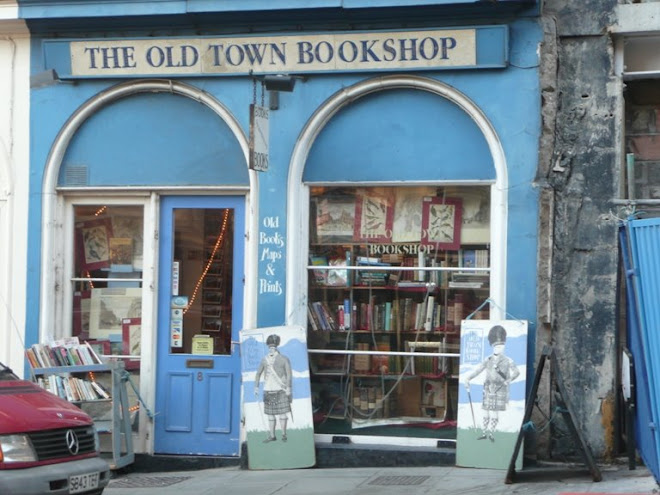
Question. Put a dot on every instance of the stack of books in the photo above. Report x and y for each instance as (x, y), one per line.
(469, 280)
(371, 276)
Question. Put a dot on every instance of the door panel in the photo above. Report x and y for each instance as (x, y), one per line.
(179, 402)
(218, 410)
(200, 309)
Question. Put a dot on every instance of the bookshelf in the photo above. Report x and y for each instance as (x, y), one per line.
(384, 312)
(216, 286)
(80, 384)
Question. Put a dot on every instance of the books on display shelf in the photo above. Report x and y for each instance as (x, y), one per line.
(469, 280)
(371, 277)
(72, 388)
(474, 258)
(62, 352)
(424, 365)
(321, 317)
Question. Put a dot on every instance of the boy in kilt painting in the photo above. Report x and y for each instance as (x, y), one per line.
(500, 372)
(276, 369)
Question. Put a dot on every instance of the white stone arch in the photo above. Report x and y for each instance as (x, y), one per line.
(298, 193)
(49, 282)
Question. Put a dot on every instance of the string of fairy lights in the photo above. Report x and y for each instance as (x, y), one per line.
(216, 247)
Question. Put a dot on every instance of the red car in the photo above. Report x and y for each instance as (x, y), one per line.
(47, 445)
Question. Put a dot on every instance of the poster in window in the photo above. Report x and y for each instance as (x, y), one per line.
(130, 227)
(441, 223)
(374, 214)
(131, 335)
(334, 218)
(475, 221)
(121, 251)
(407, 222)
(109, 307)
(94, 243)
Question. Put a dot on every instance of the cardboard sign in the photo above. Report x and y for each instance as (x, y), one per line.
(202, 344)
(277, 398)
(491, 395)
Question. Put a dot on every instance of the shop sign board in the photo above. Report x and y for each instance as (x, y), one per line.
(259, 138)
(432, 49)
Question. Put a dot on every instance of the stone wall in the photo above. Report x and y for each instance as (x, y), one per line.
(579, 174)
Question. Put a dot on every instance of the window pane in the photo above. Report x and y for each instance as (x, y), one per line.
(392, 272)
(203, 247)
(107, 282)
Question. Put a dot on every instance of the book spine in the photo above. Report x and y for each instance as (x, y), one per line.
(310, 317)
(388, 316)
(421, 262)
(347, 314)
(340, 317)
(428, 323)
(321, 316)
(332, 324)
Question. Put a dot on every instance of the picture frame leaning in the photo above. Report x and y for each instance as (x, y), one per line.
(441, 223)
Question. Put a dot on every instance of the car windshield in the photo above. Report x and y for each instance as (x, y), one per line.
(6, 373)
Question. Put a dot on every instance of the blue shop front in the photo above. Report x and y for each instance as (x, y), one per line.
(369, 181)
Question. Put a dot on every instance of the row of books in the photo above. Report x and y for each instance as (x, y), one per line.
(422, 365)
(72, 388)
(63, 352)
(399, 315)
(372, 276)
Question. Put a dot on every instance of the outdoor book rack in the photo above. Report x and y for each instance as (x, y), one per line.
(119, 426)
(565, 408)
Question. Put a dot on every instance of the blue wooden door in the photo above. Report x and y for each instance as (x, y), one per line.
(200, 308)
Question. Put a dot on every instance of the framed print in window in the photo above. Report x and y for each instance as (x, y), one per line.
(374, 213)
(93, 237)
(109, 306)
(334, 218)
(441, 223)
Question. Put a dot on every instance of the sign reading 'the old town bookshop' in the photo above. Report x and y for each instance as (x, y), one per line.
(479, 47)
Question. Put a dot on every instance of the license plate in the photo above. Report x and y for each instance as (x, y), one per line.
(83, 482)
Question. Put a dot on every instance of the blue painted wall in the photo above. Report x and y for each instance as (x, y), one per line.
(53, 9)
(510, 98)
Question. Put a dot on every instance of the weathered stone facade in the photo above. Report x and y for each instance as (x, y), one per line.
(579, 175)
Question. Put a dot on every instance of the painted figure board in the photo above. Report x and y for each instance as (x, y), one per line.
(491, 396)
(277, 398)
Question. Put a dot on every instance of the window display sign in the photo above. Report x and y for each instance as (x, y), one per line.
(491, 396)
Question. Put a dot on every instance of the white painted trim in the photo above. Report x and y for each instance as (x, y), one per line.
(298, 193)
(51, 293)
(638, 18)
(14, 189)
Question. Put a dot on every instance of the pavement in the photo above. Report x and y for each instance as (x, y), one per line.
(550, 479)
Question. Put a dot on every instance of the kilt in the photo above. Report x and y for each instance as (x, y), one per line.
(276, 402)
(496, 396)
